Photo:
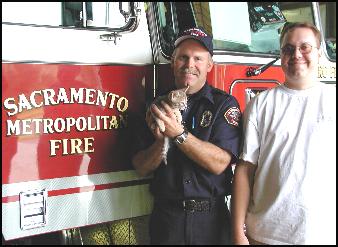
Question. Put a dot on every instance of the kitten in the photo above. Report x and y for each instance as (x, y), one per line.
(177, 100)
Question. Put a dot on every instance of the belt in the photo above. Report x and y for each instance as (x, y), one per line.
(196, 205)
(189, 205)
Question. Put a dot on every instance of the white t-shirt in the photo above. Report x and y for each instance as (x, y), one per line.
(291, 136)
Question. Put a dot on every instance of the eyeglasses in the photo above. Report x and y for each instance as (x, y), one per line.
(304, 48)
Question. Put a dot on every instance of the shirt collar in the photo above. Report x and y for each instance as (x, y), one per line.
(204, 92)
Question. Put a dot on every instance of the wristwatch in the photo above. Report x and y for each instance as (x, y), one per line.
(181, 138)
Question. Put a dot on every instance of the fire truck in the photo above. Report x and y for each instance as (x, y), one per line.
(76, 74)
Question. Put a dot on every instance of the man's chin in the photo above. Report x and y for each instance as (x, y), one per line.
(299, 72)
(185, 83)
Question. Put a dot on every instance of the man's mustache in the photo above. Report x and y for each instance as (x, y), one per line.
(189, 71)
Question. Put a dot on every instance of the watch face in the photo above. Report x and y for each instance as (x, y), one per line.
(181, 138)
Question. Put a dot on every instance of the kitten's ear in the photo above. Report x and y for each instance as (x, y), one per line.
(171, 96)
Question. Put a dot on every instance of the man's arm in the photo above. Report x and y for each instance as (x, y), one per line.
(205, 154)
(147, 160)
(241, 193)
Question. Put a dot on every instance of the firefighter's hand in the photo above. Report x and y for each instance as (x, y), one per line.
(153, 126)
(172, 127)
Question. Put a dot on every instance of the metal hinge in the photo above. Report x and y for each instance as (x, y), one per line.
(110, 37)
(33, 209)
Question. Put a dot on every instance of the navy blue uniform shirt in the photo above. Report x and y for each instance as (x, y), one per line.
(213, 116)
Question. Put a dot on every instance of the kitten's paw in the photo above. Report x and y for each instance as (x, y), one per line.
(161, 126)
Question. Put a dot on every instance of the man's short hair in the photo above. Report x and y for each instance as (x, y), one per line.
(290, 26)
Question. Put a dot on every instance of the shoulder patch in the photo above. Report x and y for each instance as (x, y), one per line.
(232, 116)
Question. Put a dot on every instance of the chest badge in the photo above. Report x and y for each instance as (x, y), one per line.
(232, 116)
(206, 119)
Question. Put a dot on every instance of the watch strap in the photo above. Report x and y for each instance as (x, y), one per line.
(182, 137)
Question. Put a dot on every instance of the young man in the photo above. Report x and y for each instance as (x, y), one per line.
(284, 188)
(189, 192)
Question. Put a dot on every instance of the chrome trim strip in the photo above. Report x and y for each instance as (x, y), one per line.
(252, 81)
(14, 189)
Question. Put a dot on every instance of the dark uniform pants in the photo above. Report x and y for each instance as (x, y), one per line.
(172, 225)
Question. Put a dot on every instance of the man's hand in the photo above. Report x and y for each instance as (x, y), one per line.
(172, 127)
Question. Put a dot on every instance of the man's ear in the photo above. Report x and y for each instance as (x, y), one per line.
(320, 51)
(210, 64)
(173, 58)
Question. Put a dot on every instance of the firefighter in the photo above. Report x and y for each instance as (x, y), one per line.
(189, 192)
(285, 184)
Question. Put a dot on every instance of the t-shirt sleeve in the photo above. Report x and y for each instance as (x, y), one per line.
(250, 141)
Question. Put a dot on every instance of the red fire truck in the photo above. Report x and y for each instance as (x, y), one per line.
(73, 76)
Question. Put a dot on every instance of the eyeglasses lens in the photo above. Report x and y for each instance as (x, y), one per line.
(303, 48)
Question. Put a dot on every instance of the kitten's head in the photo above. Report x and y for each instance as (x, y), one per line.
(178, 99)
